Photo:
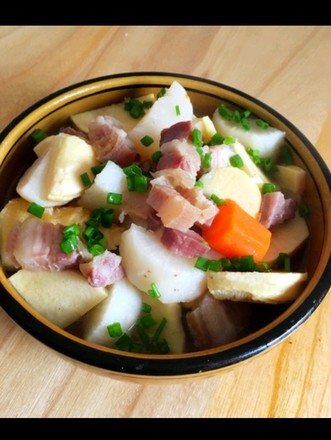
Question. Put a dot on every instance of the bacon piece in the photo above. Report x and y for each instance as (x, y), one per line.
(214, 322)
(207, 208)
(187, 244)
(181, 130)
(74, 132)
(111, 142)
(275, 209)
(175, 177)
(36, 247)
(178, 154)
(173, 209)
(103, 269)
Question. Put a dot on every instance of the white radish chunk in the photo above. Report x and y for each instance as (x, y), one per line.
(266, 287)
(146, 261)
(123, 305)
(110, 179)
(233, 183)
(175, 106)
(266, 141)
(249, 167)
(61, 297)
(287, 238)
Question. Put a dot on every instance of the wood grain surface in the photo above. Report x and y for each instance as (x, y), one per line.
(289, 68)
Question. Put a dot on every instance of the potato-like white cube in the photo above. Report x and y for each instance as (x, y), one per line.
(61, 297)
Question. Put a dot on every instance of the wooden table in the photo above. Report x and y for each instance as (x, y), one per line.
(289, 68)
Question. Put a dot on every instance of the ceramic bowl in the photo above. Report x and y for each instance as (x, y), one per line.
(52, 112)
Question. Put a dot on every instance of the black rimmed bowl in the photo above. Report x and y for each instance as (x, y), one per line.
(53, 112)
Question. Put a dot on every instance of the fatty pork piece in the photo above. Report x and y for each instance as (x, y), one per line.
(214, 322)
(111, 142)
(275, 209)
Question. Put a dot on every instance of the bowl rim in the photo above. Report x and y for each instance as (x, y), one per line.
(203, 362)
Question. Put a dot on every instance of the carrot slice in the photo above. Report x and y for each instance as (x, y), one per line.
(233, 232)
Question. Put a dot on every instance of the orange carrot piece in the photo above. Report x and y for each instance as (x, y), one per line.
(233, 233)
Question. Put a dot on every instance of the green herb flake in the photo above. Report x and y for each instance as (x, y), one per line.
(98, 168)
(236, 161)
(38, 135)
(146, 141)
(304, 210)
(156, 156)
(115, 330)
(218, 201)
(197, 137)
(153, 291)
(177, 108)
(85, 178)
(161, 93)
(114, 198)
(268, 187)
(36, 209)
(262, 124)
(229, 140)
(285, 155)
(146, 308)
(202, 263)
(216, 139)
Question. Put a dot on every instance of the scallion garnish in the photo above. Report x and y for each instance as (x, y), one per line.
(216, 139)
(115, 330)
(69, 244)
(159, 330)
(146, 308)
(225, 112)
(285, 155)
(283, 261)
(215, 265)
(153, 291)
(198, 184)
(96, 249)
(98, 168)
(235, 115)
(71, 229)
(36, 209)
(202, 263)
(146, 141)
(177, 108)
(236, 161)
(206, 160)
(85, 179)
(262, 124)
(217, 200)
(124, 343)
(146, 321)
(304, 210)
(114, 198)
(38, 135)
(136, 107)
(245, 124)
(156, 156)
(137, 183)
(197, 137)
(268, 187)
(254, 155)
(229, 140)
(161, 93)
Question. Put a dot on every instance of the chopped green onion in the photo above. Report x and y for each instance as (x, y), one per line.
(142, 334)
(69, 244)
(197, 137)
(96, 249)
(198, 184)
(132, 170)
(85, 179)
(236, 116)
(216, 139)
(137, 183)
(247, 264)
(72, 229)
(268, 187)
(156, 156)
(159, 330)
(245, 114)
(107, 218)
(206, 161)
(147, 321)
(115, 330)
(38, 135)
(98, 168)
(262, 124)
(146, 308)
(236, 161)
(285, 155)
(92, 233)
(154, 291)
(226, 263)
(283, 261)
(202, 263)
(146, 141)
(163, 347)
(268, 165)
(36, 209)
(161, 93)
(114, 198)
(124, 343)
(136, 107)
(229, 140)
(177, 110)
(217, 200)
(225, 112)
(304, 210)
(245, 124)
(215, 265)
(254, 155)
